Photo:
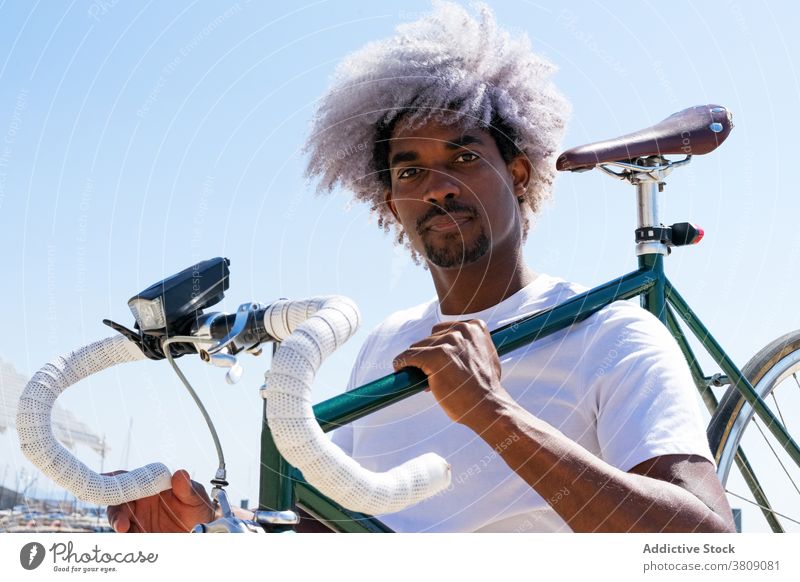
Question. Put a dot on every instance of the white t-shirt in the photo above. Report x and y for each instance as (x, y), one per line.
(616, 383)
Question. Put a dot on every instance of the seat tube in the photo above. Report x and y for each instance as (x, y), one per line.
(654, 300)
(651, 253)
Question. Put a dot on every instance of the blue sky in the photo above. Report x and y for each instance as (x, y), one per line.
(137, 138)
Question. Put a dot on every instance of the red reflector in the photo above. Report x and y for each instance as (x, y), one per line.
(700, 234)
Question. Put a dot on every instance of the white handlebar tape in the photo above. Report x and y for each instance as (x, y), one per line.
(310, 330)
(43, 450)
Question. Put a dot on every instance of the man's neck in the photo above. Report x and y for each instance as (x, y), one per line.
(482, 284)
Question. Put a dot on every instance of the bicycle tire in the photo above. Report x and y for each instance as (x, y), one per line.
(777, 361)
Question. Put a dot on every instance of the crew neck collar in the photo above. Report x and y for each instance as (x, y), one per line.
(497, 311)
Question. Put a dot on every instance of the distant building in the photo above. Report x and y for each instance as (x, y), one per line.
(8, 498)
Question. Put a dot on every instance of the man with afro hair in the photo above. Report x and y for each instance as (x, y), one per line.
(449, 131)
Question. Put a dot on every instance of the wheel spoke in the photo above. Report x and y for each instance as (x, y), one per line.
(736, 426)
(757, 490)
(762, 507)
(785, 470)
(778, 408)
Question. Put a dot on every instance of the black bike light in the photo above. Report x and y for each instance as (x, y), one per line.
(167, 304)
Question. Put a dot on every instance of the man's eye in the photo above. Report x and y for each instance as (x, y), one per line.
(407, 173)
(467, 157)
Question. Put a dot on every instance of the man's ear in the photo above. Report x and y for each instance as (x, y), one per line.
(521, 169)
(387, 197)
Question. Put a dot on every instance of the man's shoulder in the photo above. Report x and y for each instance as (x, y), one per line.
(625, 313)
(618, 313)
(554, 291)
(619, 319)
(624, 327)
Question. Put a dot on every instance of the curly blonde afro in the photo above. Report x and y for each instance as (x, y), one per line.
(447, 67)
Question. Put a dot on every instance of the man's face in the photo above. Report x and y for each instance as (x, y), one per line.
(453, 193)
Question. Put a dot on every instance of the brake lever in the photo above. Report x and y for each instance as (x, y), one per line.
(239, 338)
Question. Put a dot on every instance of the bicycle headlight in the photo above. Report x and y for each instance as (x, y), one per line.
(148, 313)
(170, 306)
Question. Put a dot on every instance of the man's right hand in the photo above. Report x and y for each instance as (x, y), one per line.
(176, 510)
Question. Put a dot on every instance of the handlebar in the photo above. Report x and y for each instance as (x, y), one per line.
(41, 447)
(309, 331)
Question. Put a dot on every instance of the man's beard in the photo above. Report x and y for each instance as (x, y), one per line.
(452, 255)
(455, 255)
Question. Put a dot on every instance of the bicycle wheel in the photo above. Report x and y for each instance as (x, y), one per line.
(767, 479)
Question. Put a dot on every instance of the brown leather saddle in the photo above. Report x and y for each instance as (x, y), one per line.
(694, 131)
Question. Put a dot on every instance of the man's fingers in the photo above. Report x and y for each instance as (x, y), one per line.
(111, 512)
(182, 488)
(471, 328)
(443, 326)
(427, 347)
(418, 357)
(119, 518)
(188, 491)
(452, 336)
(406, 359)
(122, 524)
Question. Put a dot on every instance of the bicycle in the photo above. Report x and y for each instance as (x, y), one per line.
(171, 321)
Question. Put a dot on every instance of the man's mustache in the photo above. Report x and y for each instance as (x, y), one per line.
(450, 206)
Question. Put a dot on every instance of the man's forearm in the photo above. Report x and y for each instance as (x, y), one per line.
(599, 497)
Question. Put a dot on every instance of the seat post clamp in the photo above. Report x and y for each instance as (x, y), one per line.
(662, 234)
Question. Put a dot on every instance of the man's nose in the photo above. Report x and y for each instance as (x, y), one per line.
(441, 186)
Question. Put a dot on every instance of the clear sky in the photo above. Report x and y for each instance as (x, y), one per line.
(137, 138)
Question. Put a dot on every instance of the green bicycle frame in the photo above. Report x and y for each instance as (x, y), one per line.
(282, 487)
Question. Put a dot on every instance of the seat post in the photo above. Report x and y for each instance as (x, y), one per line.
(648, 190)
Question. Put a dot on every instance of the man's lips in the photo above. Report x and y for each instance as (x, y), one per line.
(447, 222)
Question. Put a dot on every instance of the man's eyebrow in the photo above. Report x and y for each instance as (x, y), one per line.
(403, 157)
(454, 144)
(463, 141)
